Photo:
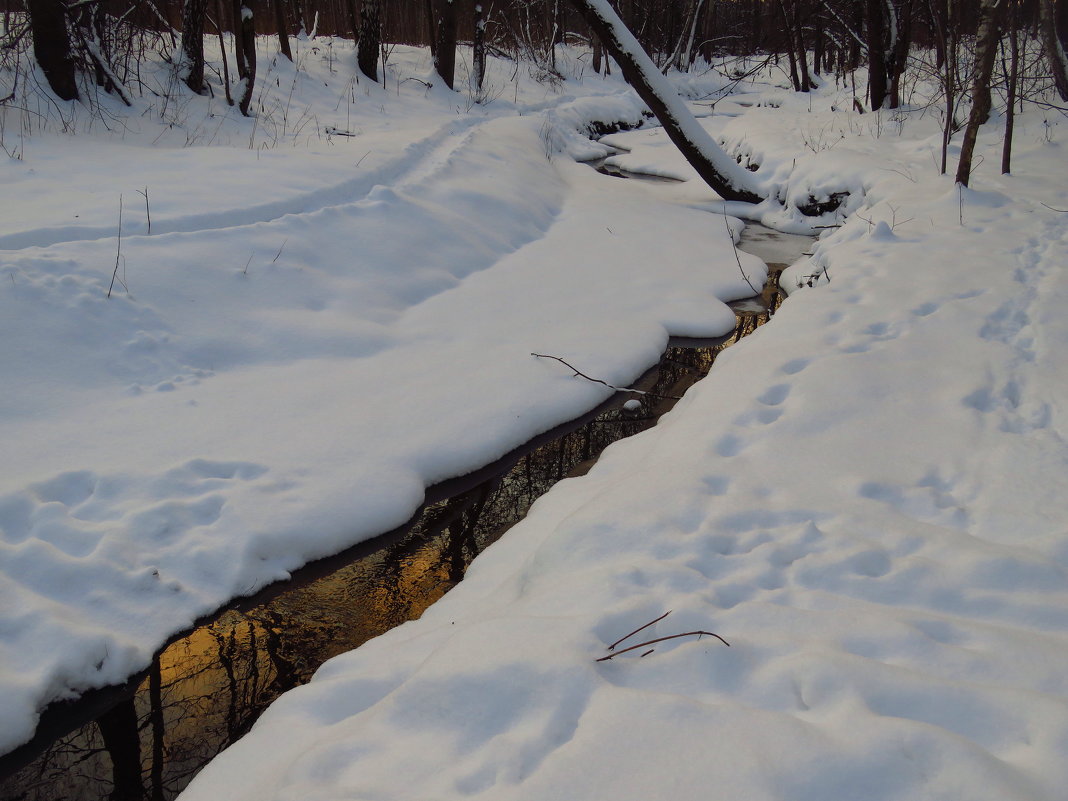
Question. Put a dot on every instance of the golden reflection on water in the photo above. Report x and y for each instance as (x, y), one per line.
(206, 689)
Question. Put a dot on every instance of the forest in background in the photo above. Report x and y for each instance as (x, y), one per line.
(104, 41)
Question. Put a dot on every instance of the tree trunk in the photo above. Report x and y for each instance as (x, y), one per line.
(986, 48)
(118, 727)
(715, 167)
(222, 49)
(370, 43)
(353, 18)
(432, 27)
(156, 718)
(246, 55)
(478, 52)
(1051, 43)
(51, 46)
(795, 77)
(283, 28)
(799, 46)
(193, 44)
(900, 54)
(876, 36)
(445, 52)
(1012, 75)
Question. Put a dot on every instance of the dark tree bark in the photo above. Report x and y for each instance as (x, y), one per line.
(193, 14)
(222, 49)
(640, 72)
(353, 19)
(235, 19)
(876, 40)
(118, 726)
(51, 46)
(1012, 76)
(432, 27)
(155, 695)
(478, 51)
(445, 52)
(246, 58)
(796, 48)
(370, 43)
(986, 49)
(282, 23)
(756, 29)
(1054, 49)
(900, 54)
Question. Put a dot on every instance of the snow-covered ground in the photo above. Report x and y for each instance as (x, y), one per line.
(315, 329)
(864, 498)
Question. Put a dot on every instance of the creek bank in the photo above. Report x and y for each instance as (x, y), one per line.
(207, 687)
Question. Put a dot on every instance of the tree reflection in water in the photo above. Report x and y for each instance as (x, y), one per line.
(205, 690)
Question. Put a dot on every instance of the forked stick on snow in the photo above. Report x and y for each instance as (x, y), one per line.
(612, 647)
(580, 374)
(661, 639)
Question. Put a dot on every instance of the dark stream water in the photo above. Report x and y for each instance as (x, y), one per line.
(147, 740)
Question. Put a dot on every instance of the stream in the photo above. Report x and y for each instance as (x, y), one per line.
(149, 737)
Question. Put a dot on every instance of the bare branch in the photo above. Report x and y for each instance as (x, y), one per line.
(662, 639)
(580, 374)
(612, 647)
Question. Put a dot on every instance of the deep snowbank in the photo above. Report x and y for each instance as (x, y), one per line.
(306, 340)
(864, 498)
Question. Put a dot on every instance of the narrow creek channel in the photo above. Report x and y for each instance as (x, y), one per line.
(148, 738)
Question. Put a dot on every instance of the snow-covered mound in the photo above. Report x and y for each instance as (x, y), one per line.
(865, 499)
(304, 331)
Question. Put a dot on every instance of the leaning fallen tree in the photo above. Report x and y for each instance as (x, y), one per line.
(730, 180)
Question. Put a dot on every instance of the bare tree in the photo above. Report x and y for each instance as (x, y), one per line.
(1054, 48)
(370, 43)
(245, 45)
(478, 51)
(714, 166)
(445, 38)
(1012, 78)
(986, 49)
(282, 23)
(192, 64)
(51, 46)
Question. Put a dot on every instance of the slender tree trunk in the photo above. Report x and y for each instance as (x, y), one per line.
(432, 26)
(900, 55)
(239, 58)
(795, 77)
(283, 28)
(799, 46)
(714, 166)
(222, 49)
(756, 28)
(876, 36)
(247, 55)
(353, 19)
(445, 53)
(51, 46)
(155, 695)
(478, 51)
(1012, 75)
(193, 44)
(118, 727)
(369, 46)
(1051, 43)
(986, 49)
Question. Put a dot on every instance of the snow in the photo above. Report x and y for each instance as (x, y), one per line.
(864, 498)
(312, 334)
